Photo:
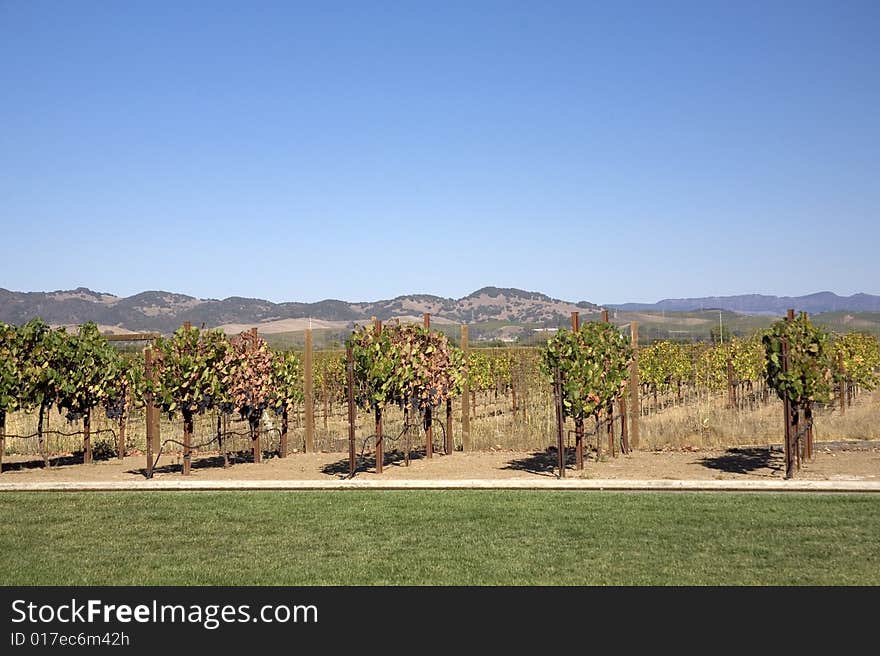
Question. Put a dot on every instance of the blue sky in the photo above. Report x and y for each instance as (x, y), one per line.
(608, 152)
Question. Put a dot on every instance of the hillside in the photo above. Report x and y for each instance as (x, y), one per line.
(509, 315)
(165, 311)
(762, 304)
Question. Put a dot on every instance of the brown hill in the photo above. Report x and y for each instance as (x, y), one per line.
(165, 311)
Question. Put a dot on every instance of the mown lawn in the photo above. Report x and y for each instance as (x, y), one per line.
(459, 537)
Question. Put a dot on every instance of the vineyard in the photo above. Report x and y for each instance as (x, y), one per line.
(404, 391)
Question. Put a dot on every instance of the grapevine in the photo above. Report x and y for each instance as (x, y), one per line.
(593, 364)
(189, 372)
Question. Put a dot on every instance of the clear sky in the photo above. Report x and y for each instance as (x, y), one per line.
(608, 152)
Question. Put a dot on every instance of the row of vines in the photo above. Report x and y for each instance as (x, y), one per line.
(193, 371)
(678, 373)
(404, 371)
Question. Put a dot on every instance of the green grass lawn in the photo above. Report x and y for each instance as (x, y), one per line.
(437, 537)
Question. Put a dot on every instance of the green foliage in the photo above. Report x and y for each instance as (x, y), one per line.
(525, 368)
(664, 364)
(859, 354)
(710, 367)
(594, 364)
(87, 372)
(374, 362)
(10, 370)
(190, 369)
(330, 375)
(747, 357)
(40, 367)
(407, 365)
(288, 375)
(40, 363)
(128, 388)
(808, 377)
(479, 375)
(710, 361)
(501, 365)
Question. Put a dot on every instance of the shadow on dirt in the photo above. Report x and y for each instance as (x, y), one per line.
(75, 458)
(543, 463)
(746, 460)
(170, 464)
(395, 457)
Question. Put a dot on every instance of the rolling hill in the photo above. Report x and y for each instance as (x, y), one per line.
(762, 304)
(165, 311)
(493, 313)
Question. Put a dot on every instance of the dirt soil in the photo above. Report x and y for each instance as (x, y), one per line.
(850, 461)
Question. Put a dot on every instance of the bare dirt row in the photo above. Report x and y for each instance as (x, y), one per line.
(850, 461)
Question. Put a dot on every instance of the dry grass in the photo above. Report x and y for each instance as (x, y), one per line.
(711, 425)
(703, 424)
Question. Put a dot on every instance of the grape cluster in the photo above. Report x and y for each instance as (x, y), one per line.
(115, 407)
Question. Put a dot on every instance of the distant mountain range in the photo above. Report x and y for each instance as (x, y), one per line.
(165, 311)
(498, 309)
(761, 304)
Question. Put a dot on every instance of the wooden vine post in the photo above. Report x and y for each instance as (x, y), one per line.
(152, 411)
(123, 418)
(429, 419)
(309, 393)
(465, 398)
(352, 417)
